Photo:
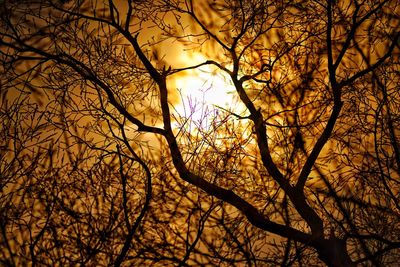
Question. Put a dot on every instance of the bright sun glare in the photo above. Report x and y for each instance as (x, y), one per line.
(204, 90)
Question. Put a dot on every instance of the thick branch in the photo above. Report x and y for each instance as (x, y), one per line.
(252, 214)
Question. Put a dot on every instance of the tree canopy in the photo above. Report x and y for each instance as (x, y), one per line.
(200, 133)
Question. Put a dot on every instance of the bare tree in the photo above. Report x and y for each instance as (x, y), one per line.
(100, 166)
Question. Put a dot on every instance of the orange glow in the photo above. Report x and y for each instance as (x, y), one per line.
(204, 90)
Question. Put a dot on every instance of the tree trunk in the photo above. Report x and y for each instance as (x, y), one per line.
(334, 253)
